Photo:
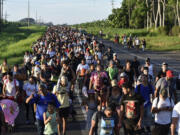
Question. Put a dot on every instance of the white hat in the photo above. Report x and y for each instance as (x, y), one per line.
(123, 74)
(114, 54)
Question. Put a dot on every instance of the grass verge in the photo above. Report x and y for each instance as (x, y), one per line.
(15, 40)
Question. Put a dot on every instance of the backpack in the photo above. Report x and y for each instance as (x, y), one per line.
(170, 93)
(99, 117)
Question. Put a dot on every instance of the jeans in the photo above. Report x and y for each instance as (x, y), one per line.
(40, 127)
(89, 117)
(31, 106)
(147, 119)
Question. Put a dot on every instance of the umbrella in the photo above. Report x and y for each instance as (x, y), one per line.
(10, 109)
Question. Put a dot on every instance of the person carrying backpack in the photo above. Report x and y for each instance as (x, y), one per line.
(105, 122)
(167, 83)
(162, 108)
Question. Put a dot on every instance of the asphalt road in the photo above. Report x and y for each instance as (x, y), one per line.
(78, 127)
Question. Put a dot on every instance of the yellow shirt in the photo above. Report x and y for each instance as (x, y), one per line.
(62, 96)
(4, 69)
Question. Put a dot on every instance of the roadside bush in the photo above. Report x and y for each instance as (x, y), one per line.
(175, 31)
(163, 30)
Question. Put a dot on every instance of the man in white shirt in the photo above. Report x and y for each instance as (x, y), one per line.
(162, 108)
(175, 126)
(11, 87)
(81, 72)
(82, 68)
(150, 67)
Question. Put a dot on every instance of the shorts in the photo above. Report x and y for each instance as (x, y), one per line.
(64, 112)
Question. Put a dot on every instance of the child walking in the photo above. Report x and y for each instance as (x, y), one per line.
(51, 121)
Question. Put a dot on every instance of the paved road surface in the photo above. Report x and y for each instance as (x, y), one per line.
(172, 58)
(78, 127)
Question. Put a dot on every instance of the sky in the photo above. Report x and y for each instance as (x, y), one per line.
(60, 11)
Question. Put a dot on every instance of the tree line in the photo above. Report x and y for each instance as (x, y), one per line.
(146, 13)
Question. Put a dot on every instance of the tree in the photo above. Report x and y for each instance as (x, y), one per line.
(177, 10)
(164, 9)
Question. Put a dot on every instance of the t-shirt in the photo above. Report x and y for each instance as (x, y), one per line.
(132, 105)
(176, 114)
(97, 79)
(62, 95)
(4, 69)
(105, 125)
(30, 88)
(82, 69)
(51, 127)
(145, 92)
(161, 74)
(169, 85)
(89, 59)
(163, 117)
(99, 54)
(161, 83)
(27, 58)
(42, 103)
(10, 87)
(37, 71)
(150, 67)
(113, 72)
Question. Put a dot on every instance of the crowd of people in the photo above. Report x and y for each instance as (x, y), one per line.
(130, 42)
(132, 96)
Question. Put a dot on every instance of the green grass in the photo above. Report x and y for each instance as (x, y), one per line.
(155, 41)
(15, 40)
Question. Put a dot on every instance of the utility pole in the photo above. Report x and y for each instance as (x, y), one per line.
(36, 17)
(28, 12)
(0, 16)
(112, 3)
(5, 17)
(2, 10)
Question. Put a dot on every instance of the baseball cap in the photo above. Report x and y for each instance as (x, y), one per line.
(147, 59)
(123, 74)
(37, 63)
(114, 54)
(169, 73)
(164, 63)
